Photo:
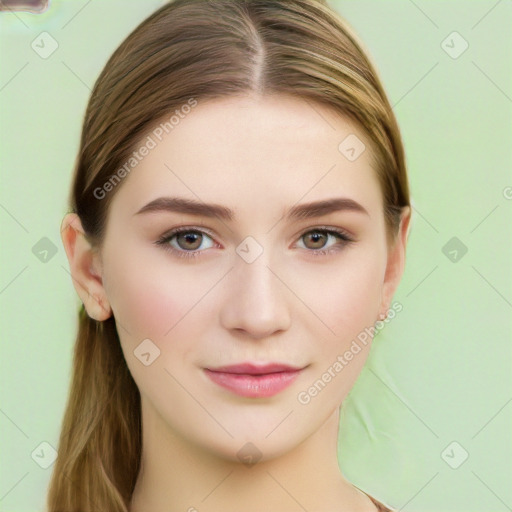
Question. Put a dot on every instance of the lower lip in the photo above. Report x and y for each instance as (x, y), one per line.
(254, 386)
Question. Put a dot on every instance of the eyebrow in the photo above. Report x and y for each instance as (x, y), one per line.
(301, 211)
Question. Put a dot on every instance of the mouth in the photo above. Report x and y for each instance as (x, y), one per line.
(254, 380)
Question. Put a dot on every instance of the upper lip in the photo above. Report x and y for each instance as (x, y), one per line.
(255, 369)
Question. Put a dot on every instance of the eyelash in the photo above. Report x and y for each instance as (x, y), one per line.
(164, 240)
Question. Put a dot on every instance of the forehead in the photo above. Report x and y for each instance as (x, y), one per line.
(253, 151)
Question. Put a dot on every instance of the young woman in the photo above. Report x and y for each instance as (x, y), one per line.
(239, 216)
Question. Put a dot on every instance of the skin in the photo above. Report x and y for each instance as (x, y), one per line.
(258, 156)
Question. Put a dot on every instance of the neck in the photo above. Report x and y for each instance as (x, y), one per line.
(178, 476)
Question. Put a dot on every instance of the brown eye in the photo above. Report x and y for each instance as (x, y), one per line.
(318, 239)
(324, 241)
(186, 241)
(189, 240)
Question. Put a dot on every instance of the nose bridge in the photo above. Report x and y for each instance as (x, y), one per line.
(255, 300)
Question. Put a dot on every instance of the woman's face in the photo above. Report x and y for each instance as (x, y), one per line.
(260, 286)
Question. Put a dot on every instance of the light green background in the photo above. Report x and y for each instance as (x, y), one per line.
(439, 372)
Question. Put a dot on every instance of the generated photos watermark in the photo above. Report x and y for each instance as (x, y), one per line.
(362, 339)
(150, 143)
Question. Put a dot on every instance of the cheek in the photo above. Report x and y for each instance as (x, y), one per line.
(156, 299)
(150, 302)
(145, 308)
(347, 301)
(145, 298)
(346, 296)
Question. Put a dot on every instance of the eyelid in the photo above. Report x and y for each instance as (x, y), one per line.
(336, 229)
(186, 229)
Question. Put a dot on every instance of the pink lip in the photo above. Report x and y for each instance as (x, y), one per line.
(255, 381)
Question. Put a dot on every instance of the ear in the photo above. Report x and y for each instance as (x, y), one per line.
(85, 266)
(396, 262)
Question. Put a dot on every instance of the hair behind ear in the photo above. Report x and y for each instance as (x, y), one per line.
(101, 428)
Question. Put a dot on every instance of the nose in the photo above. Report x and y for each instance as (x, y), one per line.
(255, 299)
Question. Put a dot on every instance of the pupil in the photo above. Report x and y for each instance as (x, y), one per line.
(190, 238)
(316, 237)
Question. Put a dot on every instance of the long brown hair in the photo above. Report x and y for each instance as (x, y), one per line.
(194, 50)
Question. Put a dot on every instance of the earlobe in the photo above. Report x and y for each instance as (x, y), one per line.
(83, 262)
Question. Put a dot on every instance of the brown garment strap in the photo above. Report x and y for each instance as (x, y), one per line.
(380, 506)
